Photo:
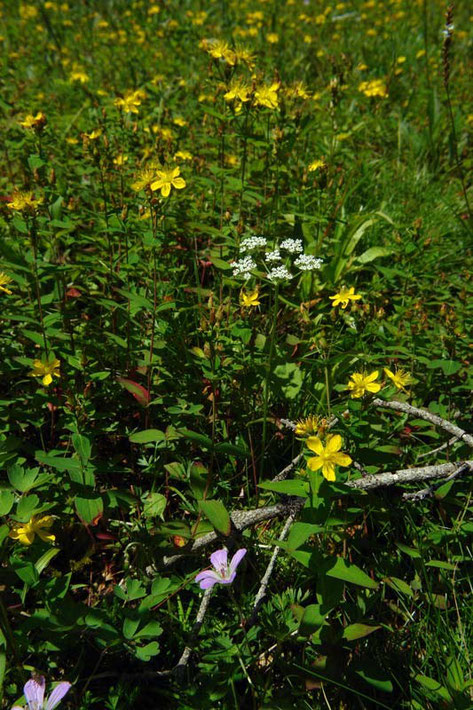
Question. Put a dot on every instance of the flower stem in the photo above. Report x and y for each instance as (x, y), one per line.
(268, 376)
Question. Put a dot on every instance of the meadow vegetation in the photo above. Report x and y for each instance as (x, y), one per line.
(235, 280)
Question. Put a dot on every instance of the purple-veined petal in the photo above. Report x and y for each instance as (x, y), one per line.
(206, 575)
(34, 693)
(229, 579)
(237, 558)
(219, 559)
(57, 695)
(208, 579)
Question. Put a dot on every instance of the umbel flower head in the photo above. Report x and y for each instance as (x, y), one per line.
(38, 525)
(33, 691)
(46, 368)
(328, 456)
(361, 382)
(223, 572)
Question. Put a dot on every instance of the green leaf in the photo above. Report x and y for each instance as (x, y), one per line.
(375, 676)
(291, 379)
(201, 439)
(89, 508)
(358, 631)
(299, 533)
(399, 586)
(312, 619)
(144, 653)
(26, 507)
(350, 573)
(25, 570)
(216, 512)
(147, 436)
(439, 564)
(154, 505)
(290, 488)
(455, 677)
(6, 502)
(434, 686)
(372, 254)
(449, 367)
(411, 551)
(45, 559)
(82, 448)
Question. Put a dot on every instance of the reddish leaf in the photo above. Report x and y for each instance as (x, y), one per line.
(139, 392)
(73, 293)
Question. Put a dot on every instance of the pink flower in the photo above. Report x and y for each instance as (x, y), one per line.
(222, 572)
(34, 694)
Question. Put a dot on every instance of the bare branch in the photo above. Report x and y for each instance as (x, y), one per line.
(243, 519)
(184, 659)
(269, 569)
(443, 446)
(426, 492)
(428, 416)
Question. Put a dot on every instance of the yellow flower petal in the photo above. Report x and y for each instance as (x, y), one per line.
(179, 183)
(166, 189)
(315, 463)
(328, 471)
(47, 379)
(341, 459)
(315, 445)
(334, 443)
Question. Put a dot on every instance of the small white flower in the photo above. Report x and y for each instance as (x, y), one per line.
(293, 246)
(243, 267)
(279, 273)
(273, 255)
(253, 242)
(307, 262)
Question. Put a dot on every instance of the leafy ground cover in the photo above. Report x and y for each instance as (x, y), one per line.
(235, 281)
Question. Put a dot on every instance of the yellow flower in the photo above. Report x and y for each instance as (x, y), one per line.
(374, 87)
(272, 38)
(249, 300)
(24, 201)
(400, 378)
(361, 382)
(36, 122)
(328, 456)
(166, 179)
(267, 95)
(344, 296)
(79, 75)
(182, 155)
(4, 281)
(144, 179)
(309, 426)
(46, 369)
(120, 160)
(316, 165)
(238, 91)
(130, 101)
(179, 121)
(93, 135)
(38, 525)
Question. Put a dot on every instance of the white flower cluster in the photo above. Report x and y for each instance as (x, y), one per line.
(253, 242)
(273, 255)
(293, 246)
(243, 267)
(279, 273)
(307, 262)
(278, 266)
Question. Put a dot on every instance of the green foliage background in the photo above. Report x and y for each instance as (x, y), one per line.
(171, 395)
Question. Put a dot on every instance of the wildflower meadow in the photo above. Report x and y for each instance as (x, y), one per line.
(236, 311)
